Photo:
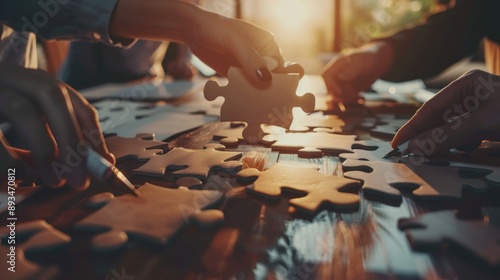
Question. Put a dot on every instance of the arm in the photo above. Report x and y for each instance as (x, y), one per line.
(427, 49)
(219, 41)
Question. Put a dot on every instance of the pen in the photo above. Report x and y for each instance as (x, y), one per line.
(103, 170)
(400, 150)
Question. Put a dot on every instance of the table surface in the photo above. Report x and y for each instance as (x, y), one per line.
(261, 239)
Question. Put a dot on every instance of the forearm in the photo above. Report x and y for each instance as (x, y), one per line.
(429, 48)
(155, 20)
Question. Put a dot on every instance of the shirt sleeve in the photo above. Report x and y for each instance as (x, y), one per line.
(427, 49)
(63, 19)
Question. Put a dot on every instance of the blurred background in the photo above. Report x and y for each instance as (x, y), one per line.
(305, 29)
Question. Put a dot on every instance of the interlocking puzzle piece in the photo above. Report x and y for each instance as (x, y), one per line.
(164, 124)
(318, 188)
(327, 142)
(42, 237)
(319, 120)
(155, 216)
(230, 132)
(142, 147)
(193, 163)
(115, 113)
(385, 178)
(435, 230)
(257, 104)
(388, 126)
(382, 148)
(491, 173)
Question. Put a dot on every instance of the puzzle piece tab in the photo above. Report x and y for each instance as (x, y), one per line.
(433, 182)
(388, 125)
(155, 216)
(257, 104)
(318, 188)
(142, 147)
(42, 237)
(433, 230)
(327, 142)
(319, 120)
(377, 154)
(193, 163)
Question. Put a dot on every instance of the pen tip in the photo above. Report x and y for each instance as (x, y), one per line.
(394, 153)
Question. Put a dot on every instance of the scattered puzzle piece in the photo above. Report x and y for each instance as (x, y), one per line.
(491, 173)
(142, 147)
(257, 104)
(434, 230)
(388, 125)
(318, 188)
(155, 216)
(230, 132)
(303, 142)
(382, 148)
(319, 120)
(193, 163)
(385, 178)
(115, 113)
(189, 182)
(41, 238)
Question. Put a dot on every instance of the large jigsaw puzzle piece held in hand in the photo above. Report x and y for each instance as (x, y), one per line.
(256, 104)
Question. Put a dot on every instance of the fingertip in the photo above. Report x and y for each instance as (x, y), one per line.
(263, 75)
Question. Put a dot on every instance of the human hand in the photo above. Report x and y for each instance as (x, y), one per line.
(53, 121)
(460, 116)
(222, 42)
(348, 74)
(219, 41)
(180, 68)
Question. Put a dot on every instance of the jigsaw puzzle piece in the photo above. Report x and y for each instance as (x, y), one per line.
(42, 238)
(370, 150)
(434, 230)
(317, 188)
(257, 104)
(388, 125)
(115, 113)
(142, 147)
(155, 216)
(327, 142)
(431, 182)
(319, 120)
(191, 163)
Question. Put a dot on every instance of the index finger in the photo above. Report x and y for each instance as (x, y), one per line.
(448, 103)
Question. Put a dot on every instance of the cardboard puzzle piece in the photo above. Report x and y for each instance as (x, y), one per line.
(319, 120)
(326, 142)
(155, 216)
(115, 113)
(257, 104)
(41, 238)
(191, 163)
(490, 173)
(388, 125)
(318, 188)
(230, 133)
(142, 147)
(435, 230)
(377, 154)
(432, 182)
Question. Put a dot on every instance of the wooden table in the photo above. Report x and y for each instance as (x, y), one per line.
(260, 239)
